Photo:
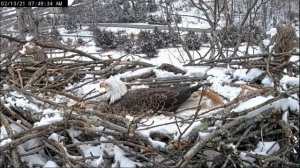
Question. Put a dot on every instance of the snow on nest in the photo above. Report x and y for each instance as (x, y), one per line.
(135, 73)
(164, 74)
(287, 81)
(252, 103)
(266, 148)
(283, 104)
(220, 78)
(97, 152)
(262, 148)
(165, 125)
(3, 133)
(246, 74)
(196, 71)
(18, 100)
(50, 163)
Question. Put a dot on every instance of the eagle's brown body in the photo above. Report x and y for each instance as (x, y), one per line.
(143, 100)
(154, 99)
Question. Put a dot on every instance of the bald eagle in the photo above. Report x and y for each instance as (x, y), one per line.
(146, 99)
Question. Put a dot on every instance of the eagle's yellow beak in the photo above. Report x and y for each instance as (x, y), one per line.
(102, 86)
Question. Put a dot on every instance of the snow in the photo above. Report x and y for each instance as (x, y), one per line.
(203, 135)
(285, 117)
(247, 75)
(244, 156)
(266, 148)
(266, 42)
(34, 159)
(262, 148)
(272, 31)
(219, 123)
(219, 77)
(282, 104)
(163, 74)
(90, 150)
(225, 90)
(29, 145)
(211, 154)
(218, 73)
(196, 71)
(287, 81)
(156, 124)
(251, 103)
(49, 119)
(287, 104)
(135, 73)
(3, 134)
(267, 82)
(50, 163)
(21, 101)
(121, 159)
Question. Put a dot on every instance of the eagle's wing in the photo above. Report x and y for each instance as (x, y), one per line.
(165, 99)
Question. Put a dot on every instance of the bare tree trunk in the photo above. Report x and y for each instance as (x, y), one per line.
(168, 15)
(134, 8)
(264, 21)
(26, 23)
(93, 11)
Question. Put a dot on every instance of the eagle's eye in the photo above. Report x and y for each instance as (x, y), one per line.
(102, 86)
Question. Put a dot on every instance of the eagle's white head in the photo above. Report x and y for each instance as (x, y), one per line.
(113, 87)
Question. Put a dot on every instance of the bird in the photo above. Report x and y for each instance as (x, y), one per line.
(144, 99)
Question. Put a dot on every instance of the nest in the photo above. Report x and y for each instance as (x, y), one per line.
(231, 136)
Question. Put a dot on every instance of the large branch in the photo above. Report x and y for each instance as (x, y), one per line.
(55, 46)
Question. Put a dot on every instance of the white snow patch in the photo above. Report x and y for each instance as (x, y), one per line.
(282, 104)
(5, 141)
(247, 75)
(285, 117)
(266, 42)
(35, 159)
(289, 81)
(266, 148)
(27, 146)
(267, 82)
(163, 74)
(49, 119)
(243, 156)
(21, 101)
(217, 72)
(88, 150)
(170, 129)
(219, 123)
(225, 90)
(50, 163)
(123, 161)
(74, 133)
(203, 135)
(211, 153)
(196, 71)
(287, 103)
(272, 31)
(251, 103)
(3, 133)
(135, 73)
